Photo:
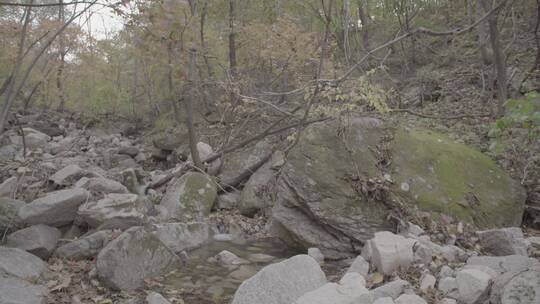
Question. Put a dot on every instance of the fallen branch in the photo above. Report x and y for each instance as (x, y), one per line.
(439, 117)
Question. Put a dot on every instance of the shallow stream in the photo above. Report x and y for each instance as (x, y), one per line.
(203, 280)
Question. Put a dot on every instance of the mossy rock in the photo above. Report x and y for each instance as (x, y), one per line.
(438, 174)
(189, 197)
(320, 204)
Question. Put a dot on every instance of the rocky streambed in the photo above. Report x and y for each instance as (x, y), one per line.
(359, 211)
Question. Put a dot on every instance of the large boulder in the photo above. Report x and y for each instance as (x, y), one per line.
(283, 282)
(189, 197)
(18, 291)
(114, 206)
(55, 209)
(9, 209)
(19, 263)
(68, 175)
(325, 197)
(132, 257)
(316, 205)
(39, 240)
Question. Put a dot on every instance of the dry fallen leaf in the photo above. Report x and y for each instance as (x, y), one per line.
(63, 285)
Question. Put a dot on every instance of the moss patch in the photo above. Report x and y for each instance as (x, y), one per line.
(452, 178)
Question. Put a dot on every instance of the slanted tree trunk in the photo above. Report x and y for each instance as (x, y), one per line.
(188, 103)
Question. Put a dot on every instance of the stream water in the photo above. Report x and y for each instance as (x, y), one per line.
(203, 280)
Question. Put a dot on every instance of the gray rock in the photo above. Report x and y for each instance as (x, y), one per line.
(129, 150)
(182, 236)
(360, 265)
(129, 208)
(55, 209)
(35, 139)
(101, 185)
(534, 242)
(228, 200)
(392, 289)
(17, 291)
(8, 152)
(7, 188)
(447, 301)
(131, 180)
(227, 258)
(316, 254)
(511, 263)
(156, 298)
(446, 272)
(256, 193)
(19, 263)
(386, 300)
(504, 241)
(133, 256)
(205, 150)
(68, 175)
(9, 218)
(39, 240)
(86, 247)
(427, 282)
(261, 258)
(410, 299)
(473, 285)
(237, 162)
(391, 252)
(448, 287)
(189, 197)
(523, 288)
(283, 282)
(350, 290)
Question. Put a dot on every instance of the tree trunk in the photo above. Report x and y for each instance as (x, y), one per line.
(170, 84)
(500, 65)
(364, 19)
(188, 103)
(482, 31)
(62, 57)
(10, 90)
(232, 42)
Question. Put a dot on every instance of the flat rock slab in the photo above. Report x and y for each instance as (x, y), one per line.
(86, 247)
(16, 291)
(19, 263)
(283, 282)
(56, 209)
(39, 240)
(122, 207)
(101, 185)
(132, 257)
